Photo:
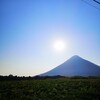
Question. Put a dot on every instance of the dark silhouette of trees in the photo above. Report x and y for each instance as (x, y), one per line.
(11, 77)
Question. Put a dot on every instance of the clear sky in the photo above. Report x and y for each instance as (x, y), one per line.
(29, 28)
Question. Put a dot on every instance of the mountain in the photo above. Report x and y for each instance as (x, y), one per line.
(75, 66)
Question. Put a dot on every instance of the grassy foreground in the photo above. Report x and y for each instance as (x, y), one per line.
(50, 89)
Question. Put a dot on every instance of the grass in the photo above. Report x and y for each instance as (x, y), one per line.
(50, 89)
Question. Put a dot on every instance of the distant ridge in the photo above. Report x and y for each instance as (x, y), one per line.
(75, 66)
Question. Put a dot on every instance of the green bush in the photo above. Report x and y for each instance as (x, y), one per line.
(50, 89)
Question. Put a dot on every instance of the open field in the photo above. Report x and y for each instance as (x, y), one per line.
(50, 89)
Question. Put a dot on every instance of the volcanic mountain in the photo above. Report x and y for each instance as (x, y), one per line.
(75, 66)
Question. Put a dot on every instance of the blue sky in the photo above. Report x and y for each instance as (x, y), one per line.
(28, 29)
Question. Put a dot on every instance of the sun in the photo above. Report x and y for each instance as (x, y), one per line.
(59, 45)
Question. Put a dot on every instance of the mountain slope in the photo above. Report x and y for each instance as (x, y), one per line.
(75, 66)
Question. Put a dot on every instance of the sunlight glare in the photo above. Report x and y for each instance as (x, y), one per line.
(59, 45)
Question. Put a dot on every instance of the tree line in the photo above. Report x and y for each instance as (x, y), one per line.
(11, 77)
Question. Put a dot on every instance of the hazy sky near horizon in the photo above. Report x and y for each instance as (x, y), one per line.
(28, 29)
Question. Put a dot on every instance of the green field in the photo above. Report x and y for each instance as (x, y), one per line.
(50, 89)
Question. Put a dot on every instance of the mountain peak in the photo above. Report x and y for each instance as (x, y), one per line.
(76, 57)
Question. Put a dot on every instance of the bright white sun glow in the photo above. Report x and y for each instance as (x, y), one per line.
(59, 45)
